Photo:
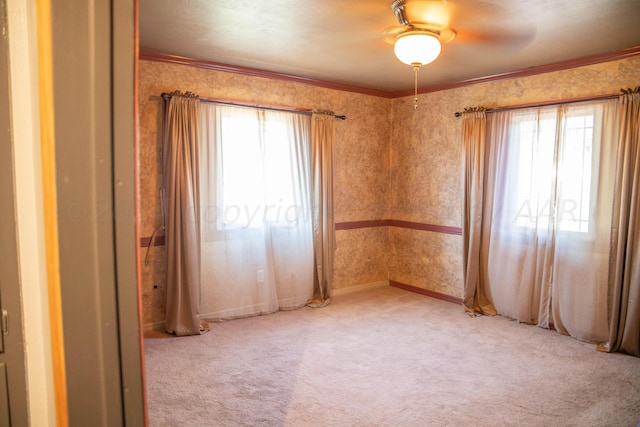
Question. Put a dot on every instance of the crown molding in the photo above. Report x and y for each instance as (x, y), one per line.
(542, 69)
(253, 72)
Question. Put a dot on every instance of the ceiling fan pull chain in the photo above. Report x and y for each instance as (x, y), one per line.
(416, 67)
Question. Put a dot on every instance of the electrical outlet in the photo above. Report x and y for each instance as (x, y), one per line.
(260, 276)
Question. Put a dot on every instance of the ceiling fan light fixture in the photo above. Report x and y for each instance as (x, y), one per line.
(417, 47)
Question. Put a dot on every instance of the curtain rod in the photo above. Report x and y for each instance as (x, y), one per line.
(546, 103)
(167, 96)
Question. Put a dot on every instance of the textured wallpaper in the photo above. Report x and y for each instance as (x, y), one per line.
(361, 166)
(391, 162)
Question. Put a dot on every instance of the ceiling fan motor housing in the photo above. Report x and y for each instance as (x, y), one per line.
(398, 9)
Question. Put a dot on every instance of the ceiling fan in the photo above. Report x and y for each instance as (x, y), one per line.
(423, 28)
(425, 25)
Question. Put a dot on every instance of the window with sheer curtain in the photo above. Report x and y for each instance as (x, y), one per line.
(539, 163)
(256, 170)
(549, 226)
(547, 215)
(257, 240)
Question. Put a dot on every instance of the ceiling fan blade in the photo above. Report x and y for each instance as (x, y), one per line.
(395, 30)
(464, 21)
(500, 37)
(390, 33)
(482, 22)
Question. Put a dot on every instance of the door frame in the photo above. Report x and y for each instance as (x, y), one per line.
(94, 87)
(12, 357)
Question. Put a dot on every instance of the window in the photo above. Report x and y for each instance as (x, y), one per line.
(259, 178)
(554, 172)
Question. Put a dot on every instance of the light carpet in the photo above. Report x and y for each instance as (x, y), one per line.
(386, 357)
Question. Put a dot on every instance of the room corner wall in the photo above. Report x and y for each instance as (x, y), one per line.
(425, 168)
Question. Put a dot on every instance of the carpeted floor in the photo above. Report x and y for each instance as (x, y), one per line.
(386, 357)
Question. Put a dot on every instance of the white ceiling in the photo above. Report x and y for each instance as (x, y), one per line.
(343, 41)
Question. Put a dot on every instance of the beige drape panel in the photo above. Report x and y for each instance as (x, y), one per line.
(322, 140)
(182, 233)
(624, 276)
(473, 165)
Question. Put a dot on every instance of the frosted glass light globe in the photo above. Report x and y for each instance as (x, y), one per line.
(417, 47)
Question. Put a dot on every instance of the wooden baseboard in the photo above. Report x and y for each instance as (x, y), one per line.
(155, 326)
(427, 292)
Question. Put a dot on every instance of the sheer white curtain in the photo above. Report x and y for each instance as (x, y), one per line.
(547, 215)
(257, 239)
